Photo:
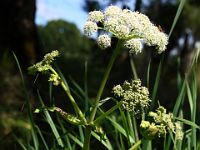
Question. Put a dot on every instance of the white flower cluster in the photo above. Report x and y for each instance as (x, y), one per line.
(131, 27)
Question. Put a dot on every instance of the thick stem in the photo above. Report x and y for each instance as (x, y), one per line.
(86, 145)
(103, 83)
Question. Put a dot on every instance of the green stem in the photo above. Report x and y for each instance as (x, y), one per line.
(146, 144)
(86, 145)
(103, 83)
(105, 78)
(66, 89)
(108, 112)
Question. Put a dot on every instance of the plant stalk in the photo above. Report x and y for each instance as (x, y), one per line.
(77, 109)
(99, 94)
(86, 145)
(105, 78)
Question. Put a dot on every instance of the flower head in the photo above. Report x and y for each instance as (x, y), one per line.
(90, 27)
(131, 27)
(134, 97)
(95, 16)
(104, 41)
(112, 11)
(134, 45)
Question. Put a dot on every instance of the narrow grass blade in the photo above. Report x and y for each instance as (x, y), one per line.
(33, 132)
(179, 99)
(136, 145)
(125, 124)
(105, 142)
(190, 99)
(76, 140)
(80, 129)
(20, 143)
(119, 128)
(148, 73)
(65, 136)
(130, 125)
(79, 89)
(121, 142)
(133, 68)
(51, 123)
(41, 136)
(190, 123)
(156, 83)
(86, 87)
(193, 119)
(180, 8)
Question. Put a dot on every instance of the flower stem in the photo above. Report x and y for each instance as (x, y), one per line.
(88, 130)
(105, 78)
(103, 83)
(66, 89)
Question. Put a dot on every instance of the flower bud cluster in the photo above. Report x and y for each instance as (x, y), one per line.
(133, 28)
(55, 79)
(44, 65)
(134, 97)
(159, 123)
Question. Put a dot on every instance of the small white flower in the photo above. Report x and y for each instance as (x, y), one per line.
(156, 38)
(95, 16)
(104, 41)
(121, 31)
(112, 11)
(134, 45)
(110, 24)
(90, 27)
(163, 41)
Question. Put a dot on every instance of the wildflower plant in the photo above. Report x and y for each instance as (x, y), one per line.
(132, 29)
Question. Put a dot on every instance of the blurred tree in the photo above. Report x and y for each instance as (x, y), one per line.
(65, 37)
(75, 48)
(18, 30)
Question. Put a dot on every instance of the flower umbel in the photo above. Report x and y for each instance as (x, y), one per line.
(104, 41)
(135, 98)
(131, 27)
(159, 123)
(90, 27)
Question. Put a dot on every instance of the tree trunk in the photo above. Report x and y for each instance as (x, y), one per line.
(18, 30)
